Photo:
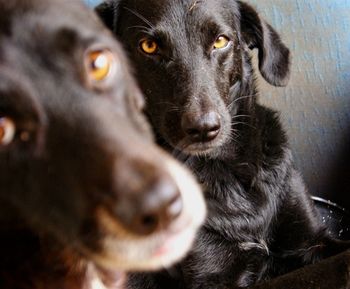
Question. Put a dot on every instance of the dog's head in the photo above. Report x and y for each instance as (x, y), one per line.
(76, 154)
(192, 62)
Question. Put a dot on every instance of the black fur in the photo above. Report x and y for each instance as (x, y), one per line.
(85, 194)
(261, 221)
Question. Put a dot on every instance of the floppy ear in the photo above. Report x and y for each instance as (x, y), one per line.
(108, 13)
(274, 56)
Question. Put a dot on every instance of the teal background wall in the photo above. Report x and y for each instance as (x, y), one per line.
(92, 3)
(315, 106)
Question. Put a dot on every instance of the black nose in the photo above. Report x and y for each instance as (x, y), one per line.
(201, 127)
(150, 208)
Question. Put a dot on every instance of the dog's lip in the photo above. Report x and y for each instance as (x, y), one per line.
(186, 145)
(199, 147)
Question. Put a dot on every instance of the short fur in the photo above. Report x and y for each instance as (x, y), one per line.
(81, 178)
(261, 221)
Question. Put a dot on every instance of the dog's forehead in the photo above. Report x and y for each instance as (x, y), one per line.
(37, 29)
(156, 11)
(174, 17)
(21, 17)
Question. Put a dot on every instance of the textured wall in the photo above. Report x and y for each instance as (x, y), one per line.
(315, 106)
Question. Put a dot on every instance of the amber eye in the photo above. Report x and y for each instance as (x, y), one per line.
(100, 64)
(221, 42)
(7, 131)
(148, 46)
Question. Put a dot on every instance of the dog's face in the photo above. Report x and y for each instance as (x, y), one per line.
(192, 63)
(76, 155)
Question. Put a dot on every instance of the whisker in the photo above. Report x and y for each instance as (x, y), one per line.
(243, 123)
(234, 136)
(138, 27)
(165, 102)
(140, 17)
(240, 98)
(234, 133)
(172, 107)
(241, 115)
(142, 29)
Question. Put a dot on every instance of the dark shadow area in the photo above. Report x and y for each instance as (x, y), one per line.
(338, 186)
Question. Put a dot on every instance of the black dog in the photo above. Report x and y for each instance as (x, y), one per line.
(192, 62)
(84, 192)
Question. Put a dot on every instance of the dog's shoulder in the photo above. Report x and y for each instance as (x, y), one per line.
(273, 138)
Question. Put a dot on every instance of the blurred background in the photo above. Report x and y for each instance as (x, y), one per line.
(315, 106)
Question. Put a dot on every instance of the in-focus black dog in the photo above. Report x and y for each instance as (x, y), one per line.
(84, 192)
(192, 62)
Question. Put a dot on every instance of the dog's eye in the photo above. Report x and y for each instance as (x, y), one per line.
(148, 46)
(221, 42)
(100, 64)
(7, 131)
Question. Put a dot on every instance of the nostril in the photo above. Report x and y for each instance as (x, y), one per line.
(193, 132)
(152, 208)
(160, 219)
(147, 224)
(144, 223)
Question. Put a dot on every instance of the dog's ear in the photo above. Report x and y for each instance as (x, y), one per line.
(274, 56)
(108, 13)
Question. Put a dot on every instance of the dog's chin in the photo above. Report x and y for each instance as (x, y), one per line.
(145, 255)
(123, 251)
(200, 149)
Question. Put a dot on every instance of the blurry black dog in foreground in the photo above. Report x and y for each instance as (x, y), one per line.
(192, 62)
(85, 194)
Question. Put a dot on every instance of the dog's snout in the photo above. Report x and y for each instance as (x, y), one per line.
(201, 127)
(152, 207)
(160, 205)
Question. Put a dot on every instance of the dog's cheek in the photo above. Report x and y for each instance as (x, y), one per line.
(172, 128)
(136, 108)
(233, 71)
(226, 76)
(237, 62)
(91, 235)
(158, 108)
